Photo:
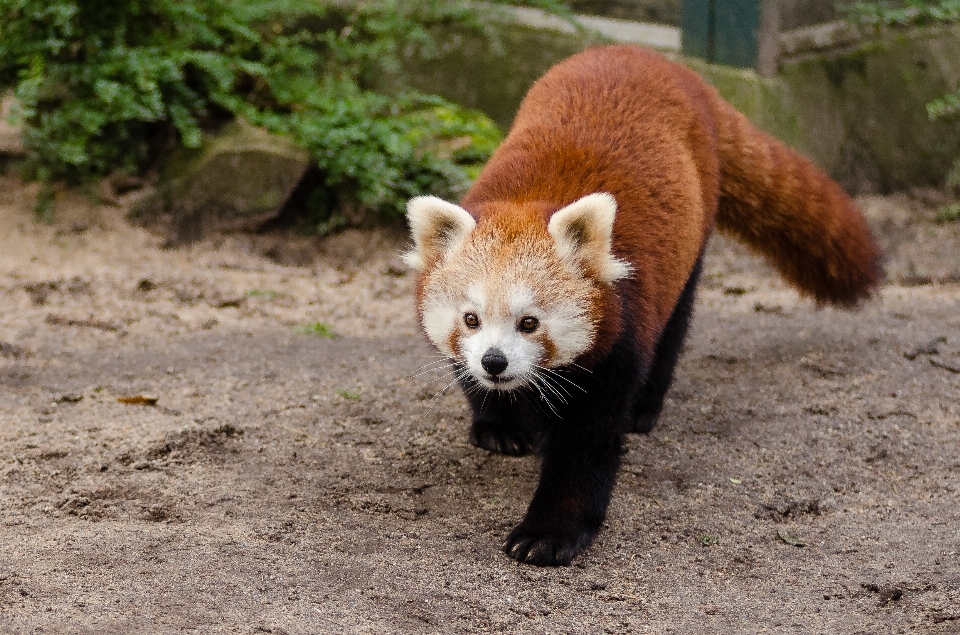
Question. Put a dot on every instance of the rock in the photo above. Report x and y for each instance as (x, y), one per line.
(237, 180)
(11, 136)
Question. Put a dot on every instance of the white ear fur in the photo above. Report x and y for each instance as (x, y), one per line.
(437, 227)
(583, 232)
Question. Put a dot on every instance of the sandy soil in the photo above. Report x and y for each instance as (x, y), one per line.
(805, 476)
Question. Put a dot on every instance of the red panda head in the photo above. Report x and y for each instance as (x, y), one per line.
(512, 295)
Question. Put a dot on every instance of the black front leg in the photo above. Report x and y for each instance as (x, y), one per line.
(500, 423)
(581, 456)
(580, 462)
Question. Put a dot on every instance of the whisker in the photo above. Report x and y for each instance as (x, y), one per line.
(454, 363)
(553, 388)
(533, 382)
(423, 369)
(440, 394)
(551, 380)
(435, 379)
(561, 376)
(436, 360)
(545, 382)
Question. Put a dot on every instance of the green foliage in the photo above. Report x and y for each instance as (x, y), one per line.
(949, 214)
(106, 85)
(383, 150)
(910, 13)
(317, 329)
(948, 104)
(353, 395)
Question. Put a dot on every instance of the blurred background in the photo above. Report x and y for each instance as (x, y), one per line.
(213, 115)
(218, 414)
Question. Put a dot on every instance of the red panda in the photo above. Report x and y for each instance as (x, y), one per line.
(562, 285)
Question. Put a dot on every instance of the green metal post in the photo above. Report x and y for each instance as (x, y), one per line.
(723, 31)
(737, 23)
(696, 28)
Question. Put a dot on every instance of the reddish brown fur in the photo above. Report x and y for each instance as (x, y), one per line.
(786, 208)
(678, 159)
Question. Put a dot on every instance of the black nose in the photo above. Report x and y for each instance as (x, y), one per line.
(494, 361)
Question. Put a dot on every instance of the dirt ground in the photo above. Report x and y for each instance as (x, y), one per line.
(804, 478)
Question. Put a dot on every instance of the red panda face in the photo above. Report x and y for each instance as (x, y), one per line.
(511, 297)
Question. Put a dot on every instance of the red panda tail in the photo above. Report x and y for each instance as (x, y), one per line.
(786, 208)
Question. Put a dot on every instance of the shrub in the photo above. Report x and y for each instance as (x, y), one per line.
(106, 85)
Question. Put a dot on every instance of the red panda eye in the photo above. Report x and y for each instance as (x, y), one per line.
(471, 320)
(529, 324)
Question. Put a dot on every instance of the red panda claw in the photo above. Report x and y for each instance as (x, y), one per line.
(500, 442)
(541, 550)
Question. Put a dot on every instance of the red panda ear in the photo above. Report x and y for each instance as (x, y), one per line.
(438, 227)
(583, 232)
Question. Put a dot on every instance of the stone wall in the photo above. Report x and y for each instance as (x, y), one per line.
(859, 112)
(794, 14)
(658, 11)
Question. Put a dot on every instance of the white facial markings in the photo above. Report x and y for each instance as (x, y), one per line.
(502, 284)
(570, 329)
(476, 298)
(519, 299)
(564, 318)
(440, 317)
(499, 331)
(499, 314)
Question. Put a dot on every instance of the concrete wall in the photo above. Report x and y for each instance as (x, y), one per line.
(794, 14)
(659, 11)
(473, 74)
(859, 112)
(862, 112)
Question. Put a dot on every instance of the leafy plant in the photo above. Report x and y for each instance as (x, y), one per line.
(111, 85)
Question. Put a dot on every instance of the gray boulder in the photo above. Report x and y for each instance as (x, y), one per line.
(237, 180)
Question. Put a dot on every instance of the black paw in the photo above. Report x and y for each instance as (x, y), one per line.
(499, 441)
(644, 422)
(544, 549)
